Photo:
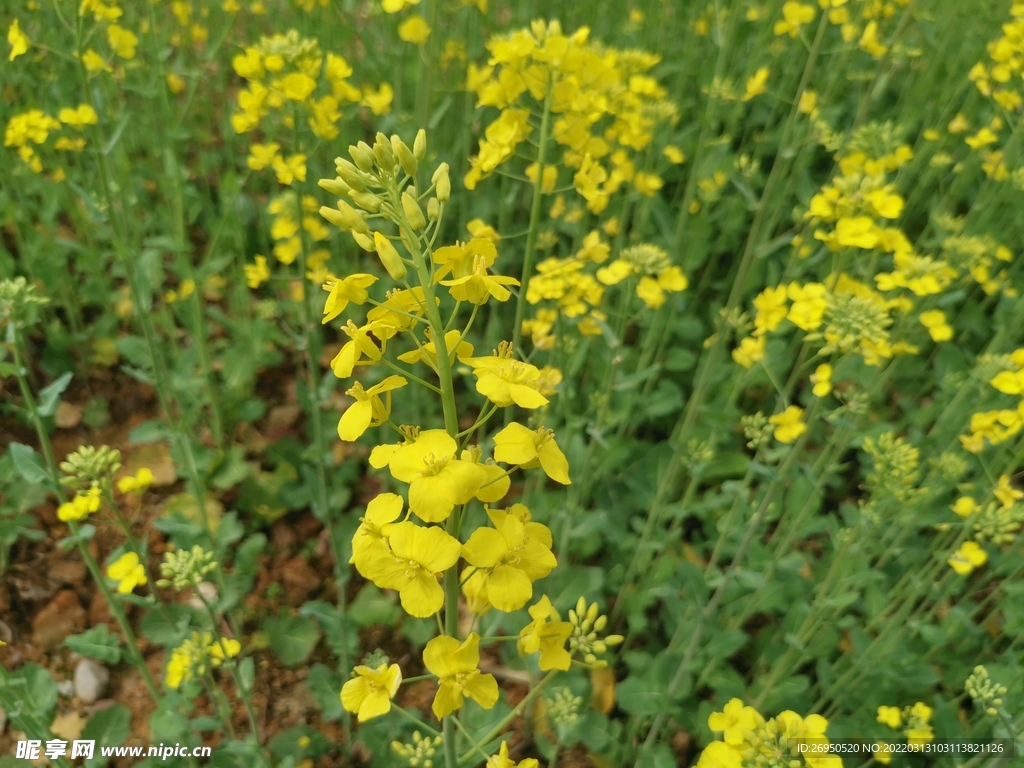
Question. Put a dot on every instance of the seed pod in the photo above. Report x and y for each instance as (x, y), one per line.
(335, 186)
(404, 155)
(389, 256)
(350, 174)
(433, 209)
(364, 242)
(363, 156)
(367, 201)
(413, 212)
(419, 145)
(442, 184)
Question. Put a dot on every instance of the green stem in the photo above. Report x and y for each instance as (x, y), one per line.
(131, 645)
(507, 720)
(37, 419)
(531, 238)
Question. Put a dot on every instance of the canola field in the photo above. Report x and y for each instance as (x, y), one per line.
(455, 383)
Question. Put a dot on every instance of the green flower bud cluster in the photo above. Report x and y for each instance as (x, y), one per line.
(17, 299)
(564, 708)
(757, 430)
(420, 751)
(90, 467)
(986, 694)
(183, 569)
(376, 659)
(998, 524)
(379, 181)
(587, 626)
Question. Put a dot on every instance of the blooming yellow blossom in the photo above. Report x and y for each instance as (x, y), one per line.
(262, 155)
(890, 716)
(80, 507)
(123, 41)
(935, 321)
(547, 635)
(822, 380)
(457, 668)
(757, 83)
(788, 424)
(969, 556)
(369, 408)
(750, 351)
(512, 555)
(351, 289)
(395, 6)
(438, 480)
(794, 16)
(18, 40)
(414, 30)
(290, 169)
(128, 572)
(674, 154)
(718, 754)
(137, 484)
(502, 760)
(257, 273)
(370, 692)
(516, 444)
(416, 557)
(733, 721)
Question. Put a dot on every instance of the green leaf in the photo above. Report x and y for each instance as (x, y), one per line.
(326, 687)
(28, 463)
(49, 397)
(639, 696)
(97, 643)
(292, 638)
(109, 727)
(372, 606)
(166, 629)
(33, 687)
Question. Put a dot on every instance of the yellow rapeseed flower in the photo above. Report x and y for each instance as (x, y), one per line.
(18, 40)
(969, 556)
(750, 351)
(370, 692)
(80, 507)
(734, 721)
(457, 668)
(789, 424)
(822, 380)
(414, 30)
(794, 16)
(528, 448)
(257, 273)
(416, 557)
(512, 555)
(369, 408)
(757, 83)
(128, 572)
(438, 480)
(137, 484)
(547, 635)
(123, 41)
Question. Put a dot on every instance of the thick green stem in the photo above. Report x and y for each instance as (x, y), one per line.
(531, 238)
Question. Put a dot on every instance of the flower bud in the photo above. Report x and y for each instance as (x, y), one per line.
(419, 145)
(389, 256)
(404, 155)
(367, 201)
(413, 212)
(382, 151)
(364, 242)
(363, 156)
(345, 217)
(334, 186)
(350, 174)
(433, 209)
(442, 184)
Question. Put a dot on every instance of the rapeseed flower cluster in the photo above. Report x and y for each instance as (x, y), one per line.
(998, 77)
(409, 540)
(747, 738)
(999, 425)
(284, 72)
(576, 284)
(604, 104)
(197, 655)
